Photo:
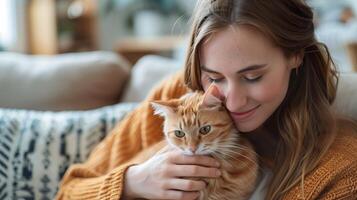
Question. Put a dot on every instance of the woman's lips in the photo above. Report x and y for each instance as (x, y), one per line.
(243, 115)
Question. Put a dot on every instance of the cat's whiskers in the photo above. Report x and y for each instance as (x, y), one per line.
(234, 155)
(206, 149)
(234, 146)
(230, 148)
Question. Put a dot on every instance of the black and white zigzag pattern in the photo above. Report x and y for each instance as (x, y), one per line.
(8, 136)
(36, 148)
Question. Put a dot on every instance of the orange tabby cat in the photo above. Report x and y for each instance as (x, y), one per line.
(198, 123)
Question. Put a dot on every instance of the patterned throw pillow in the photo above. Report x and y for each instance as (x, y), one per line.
(36, 148)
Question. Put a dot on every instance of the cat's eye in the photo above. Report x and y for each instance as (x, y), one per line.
(179, 133)
(206, 129)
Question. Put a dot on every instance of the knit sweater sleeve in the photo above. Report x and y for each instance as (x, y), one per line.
(345, 187)
(336, 175)
(102, 175)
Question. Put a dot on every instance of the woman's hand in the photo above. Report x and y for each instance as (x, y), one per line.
(167, 176)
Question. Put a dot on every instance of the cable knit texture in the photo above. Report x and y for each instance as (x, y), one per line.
(102, 175)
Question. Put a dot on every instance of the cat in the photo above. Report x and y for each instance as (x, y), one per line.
(199, 124)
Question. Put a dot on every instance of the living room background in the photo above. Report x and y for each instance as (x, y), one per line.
(52, 27)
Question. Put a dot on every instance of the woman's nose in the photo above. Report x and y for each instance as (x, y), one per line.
(235, 97)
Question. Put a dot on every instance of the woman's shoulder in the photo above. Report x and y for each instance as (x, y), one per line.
(345, 143)
(343, 151)
(336, 174)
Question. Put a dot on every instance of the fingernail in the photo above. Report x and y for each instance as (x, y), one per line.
(218, 173)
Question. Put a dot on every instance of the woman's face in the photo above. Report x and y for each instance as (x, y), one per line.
(251, 73)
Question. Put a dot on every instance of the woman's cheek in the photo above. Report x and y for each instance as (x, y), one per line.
(261, 94)
(269, 91)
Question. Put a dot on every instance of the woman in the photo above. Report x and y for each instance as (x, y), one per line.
(278, 83)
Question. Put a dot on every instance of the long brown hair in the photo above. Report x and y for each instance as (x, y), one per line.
(304, 123)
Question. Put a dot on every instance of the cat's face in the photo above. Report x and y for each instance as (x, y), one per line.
(196, 123)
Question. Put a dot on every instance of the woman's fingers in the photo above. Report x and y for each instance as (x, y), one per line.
(185, 185)
(180, 159)
(175, 194)
(193, 171)
(180, 165)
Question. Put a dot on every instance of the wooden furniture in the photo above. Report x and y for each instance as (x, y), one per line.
(52, 30)
(42, 27)
(352, 52)
(133, 48)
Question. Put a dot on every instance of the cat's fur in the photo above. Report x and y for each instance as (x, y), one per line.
(191, 113)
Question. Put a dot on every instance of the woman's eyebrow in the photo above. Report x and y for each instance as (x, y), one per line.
(249, 68)
(204, 68)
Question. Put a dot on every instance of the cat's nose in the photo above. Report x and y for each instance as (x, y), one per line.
(192, 149)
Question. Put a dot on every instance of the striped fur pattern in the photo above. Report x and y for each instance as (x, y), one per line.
(198, 123)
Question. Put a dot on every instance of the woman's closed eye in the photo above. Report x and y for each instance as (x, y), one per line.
(252, 79)
(214, 80)
(246, 78)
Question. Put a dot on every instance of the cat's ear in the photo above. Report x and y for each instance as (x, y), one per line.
(212, 97)
(165, 108)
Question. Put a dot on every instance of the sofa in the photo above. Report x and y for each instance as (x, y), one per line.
(55, 109)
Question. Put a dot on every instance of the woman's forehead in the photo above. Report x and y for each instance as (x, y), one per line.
(238, 44)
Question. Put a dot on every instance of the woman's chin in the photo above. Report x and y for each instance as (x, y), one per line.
(246, 128)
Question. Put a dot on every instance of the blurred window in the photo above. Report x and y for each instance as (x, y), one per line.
(7, 23)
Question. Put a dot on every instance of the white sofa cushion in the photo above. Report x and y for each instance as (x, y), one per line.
(147, 72)
(346, 100)
(36, 148)
(73, 81)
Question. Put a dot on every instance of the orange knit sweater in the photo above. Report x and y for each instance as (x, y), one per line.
(102, 175)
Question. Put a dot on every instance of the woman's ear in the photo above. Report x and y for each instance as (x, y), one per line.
(296, 60)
